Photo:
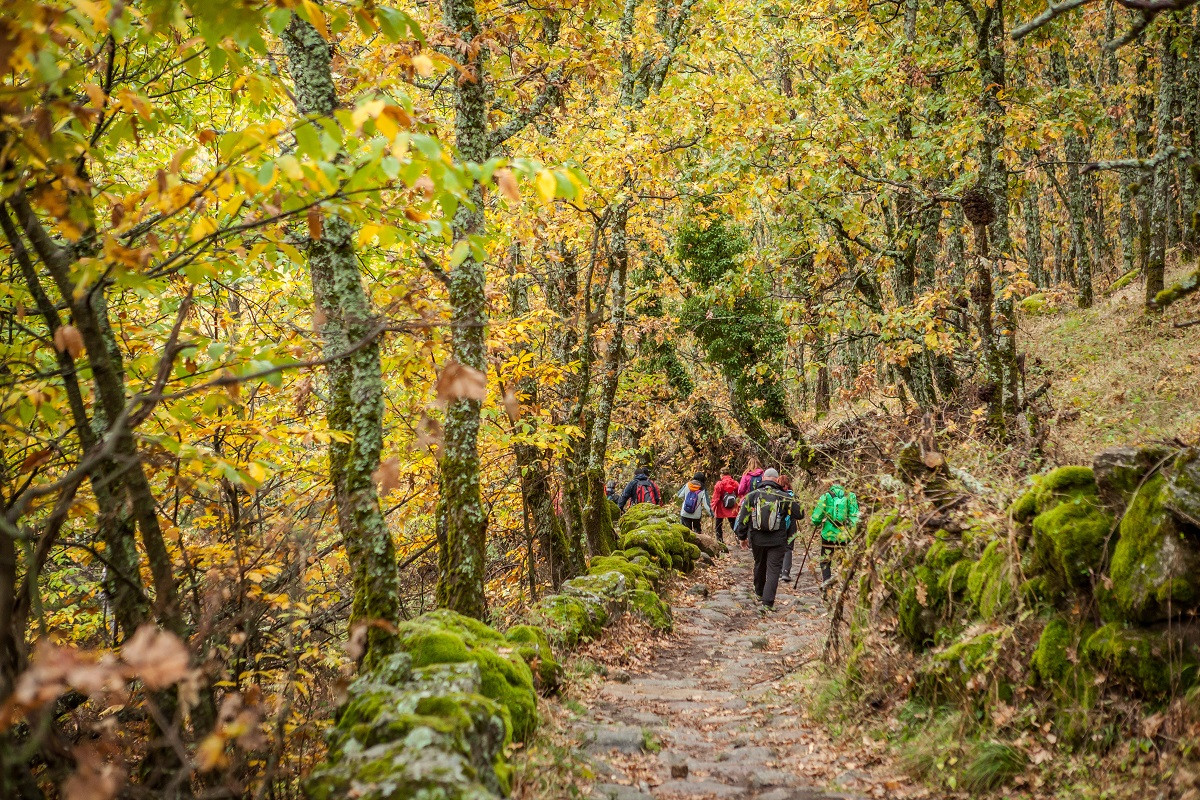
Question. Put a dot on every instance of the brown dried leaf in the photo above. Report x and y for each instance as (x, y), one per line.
(356, 645)
(35, 460)
(512, 406)
(424, 185)
(507, 183)
(458, 381)
(922, 594)
(156, 656)
(318, 319)
(429, 433)
(387, 476)
(67, 339)
(316, 224)
(94, 778)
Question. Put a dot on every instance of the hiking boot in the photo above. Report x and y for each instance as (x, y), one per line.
(785, 578)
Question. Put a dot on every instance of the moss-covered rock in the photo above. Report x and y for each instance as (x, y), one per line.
(665, 542)
(444, 637)
(1024, 508)
(1120, 471)
(1148, 662)
(1057, 651)
(648, 606)
(1071, 538)
(633, 572)
(1062, 484)
(890, 522)
(1181, 494)
(989, 583)
(917, 608)
(943, 553)
(407, 732)
(533, 646)
(642, 513)
(1155, 569)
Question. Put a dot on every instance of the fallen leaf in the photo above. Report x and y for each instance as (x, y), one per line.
(429, 433)
(316, 223)
(423, 64)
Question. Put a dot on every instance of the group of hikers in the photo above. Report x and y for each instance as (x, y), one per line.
(763, 515)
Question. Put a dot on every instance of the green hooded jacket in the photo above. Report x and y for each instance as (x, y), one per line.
(838, 510)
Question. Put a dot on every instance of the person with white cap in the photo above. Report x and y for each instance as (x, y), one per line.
(764, 524)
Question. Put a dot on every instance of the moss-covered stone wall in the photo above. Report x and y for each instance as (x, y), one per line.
(1088, 591)
(436, 719)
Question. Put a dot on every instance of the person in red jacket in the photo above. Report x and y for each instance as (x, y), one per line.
(725, 502)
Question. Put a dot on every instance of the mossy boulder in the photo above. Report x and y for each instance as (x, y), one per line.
(642, 513)
(917, 608)
(1151, 663)
(989, 583)
(1121, 470)
(1063, 484)
(1070, 539)
(444, 637)
(533, 646)
(426, 732)
(1155, 569)
(645, 603)
(633, 571)
(1058, 654)
(890, 522)
(1036, 304)
(665, 542)
(1181, 494)
(943, 553)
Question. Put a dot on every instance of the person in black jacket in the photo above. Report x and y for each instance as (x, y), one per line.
(765, 523)
(641, 489)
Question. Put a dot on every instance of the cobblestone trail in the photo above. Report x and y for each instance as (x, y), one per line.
(715, 700)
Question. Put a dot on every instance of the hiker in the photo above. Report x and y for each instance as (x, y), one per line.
(610, 490)
(725, 503)
(695, 503)
(750, 478)
(785, 483)
(764, 520)
(641, 489)
(837, 514)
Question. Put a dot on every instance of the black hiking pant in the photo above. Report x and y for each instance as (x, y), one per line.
(827, 551)
(690, 522)
(768, 562)
(719, 522)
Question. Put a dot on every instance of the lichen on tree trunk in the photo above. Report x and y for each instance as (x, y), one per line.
(355, 382)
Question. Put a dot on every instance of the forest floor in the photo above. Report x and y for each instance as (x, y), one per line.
(718, 709)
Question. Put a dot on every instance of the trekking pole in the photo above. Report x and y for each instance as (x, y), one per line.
(803, 560)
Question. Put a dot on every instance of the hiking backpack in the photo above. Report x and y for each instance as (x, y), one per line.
(755, 481)
(729, 499)
(647, 492)
(771, 511)
(836, 509)
(691, 501)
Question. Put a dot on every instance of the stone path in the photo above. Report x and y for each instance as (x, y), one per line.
(712, 716)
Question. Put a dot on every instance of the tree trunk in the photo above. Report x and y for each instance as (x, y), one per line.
(355, 383)
(1076, 154)
(1161, 195)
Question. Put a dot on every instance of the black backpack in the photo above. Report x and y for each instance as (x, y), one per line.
(771, 511)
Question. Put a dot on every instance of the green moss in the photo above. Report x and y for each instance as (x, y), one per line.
(989, 581)
(1064, 483)
(1070, 539)
(443, 637)
(1145, 661)
(565, 618)
(973, 654)
(633, 572)
(641, 514)
(889, 521)
(1050, 660)
(646, 604)
(1035, 304)
(1155, 569)
(533, 646)
(942, 555)
(952, 584)
(917, 609)
(1024, 508)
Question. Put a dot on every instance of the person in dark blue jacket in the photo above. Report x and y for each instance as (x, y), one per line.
(641, 489)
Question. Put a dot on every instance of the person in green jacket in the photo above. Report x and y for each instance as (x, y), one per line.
(837, 515)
